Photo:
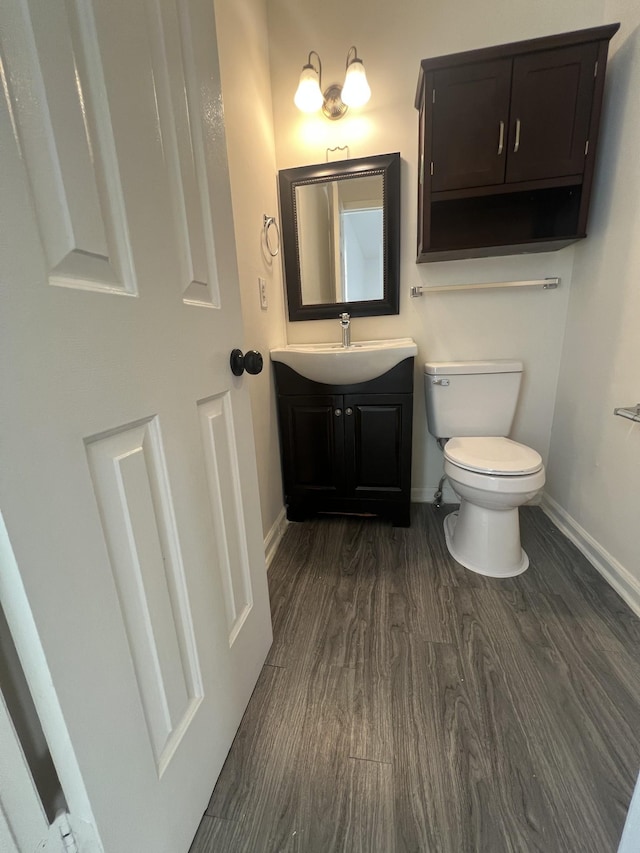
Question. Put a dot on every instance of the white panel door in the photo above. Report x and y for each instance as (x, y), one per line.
(129, 487)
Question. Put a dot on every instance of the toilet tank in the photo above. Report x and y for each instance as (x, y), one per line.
(471, 397)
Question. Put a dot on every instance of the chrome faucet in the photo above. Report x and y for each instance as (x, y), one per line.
(345, 323)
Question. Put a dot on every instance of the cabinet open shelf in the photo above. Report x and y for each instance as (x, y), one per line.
(537, 218)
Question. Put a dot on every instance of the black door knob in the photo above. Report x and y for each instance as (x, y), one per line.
(251, 361)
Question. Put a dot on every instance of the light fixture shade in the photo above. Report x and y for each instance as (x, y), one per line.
(356, 91)
(308, 97)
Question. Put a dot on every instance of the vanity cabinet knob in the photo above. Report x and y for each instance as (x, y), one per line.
(338, 412)
(348, 411)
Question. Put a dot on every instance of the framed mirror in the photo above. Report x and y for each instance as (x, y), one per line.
(341, 237)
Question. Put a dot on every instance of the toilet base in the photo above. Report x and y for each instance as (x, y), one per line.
(486, 541)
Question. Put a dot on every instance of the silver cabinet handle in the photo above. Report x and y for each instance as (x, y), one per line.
(348, 411)
(338, 412)
(517, 142)
(501, 139)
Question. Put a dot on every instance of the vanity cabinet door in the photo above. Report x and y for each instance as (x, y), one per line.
(378, 443)
(551, 100)
(469, 115)
(312, 432)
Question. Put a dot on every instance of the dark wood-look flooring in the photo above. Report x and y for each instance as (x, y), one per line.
(408, 704)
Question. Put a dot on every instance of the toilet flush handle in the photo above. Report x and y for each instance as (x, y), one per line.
(440, 381)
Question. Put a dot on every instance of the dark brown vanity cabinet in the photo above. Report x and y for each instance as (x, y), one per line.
(346, 448)
(507, 143)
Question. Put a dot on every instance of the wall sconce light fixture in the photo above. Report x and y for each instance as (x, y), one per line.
(336, 99)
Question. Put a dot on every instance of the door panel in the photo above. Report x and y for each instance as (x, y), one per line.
(225, 496)
(182, 110)
(61, 119)
(551, 100)
(138, 522)
(130, 467)
(471, 102)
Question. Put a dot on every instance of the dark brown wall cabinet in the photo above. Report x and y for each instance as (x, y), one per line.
(507, 144)
(346, 448)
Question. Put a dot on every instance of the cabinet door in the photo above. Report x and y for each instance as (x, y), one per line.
(378, 443)
(551, 102)
(312, 444)
(469, 125)
(424, 199)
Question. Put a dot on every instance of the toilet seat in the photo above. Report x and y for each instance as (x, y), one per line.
(496, 484)
(493, 455)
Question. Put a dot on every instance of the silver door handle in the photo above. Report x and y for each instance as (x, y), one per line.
(501, 139)
(517, 142)
(338, 412)
(443, 382)
(348, 411)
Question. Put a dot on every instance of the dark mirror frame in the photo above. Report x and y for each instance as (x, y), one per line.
(387, 165)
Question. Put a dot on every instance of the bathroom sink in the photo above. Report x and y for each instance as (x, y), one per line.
(333, 364)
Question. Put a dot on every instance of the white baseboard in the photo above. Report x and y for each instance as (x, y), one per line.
(425, 496)
(625, 584)
(274, 536)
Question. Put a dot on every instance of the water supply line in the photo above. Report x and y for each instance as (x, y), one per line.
(437, 498)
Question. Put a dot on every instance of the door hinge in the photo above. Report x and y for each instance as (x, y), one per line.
(431, 169)
(595, 69)
(433, 97)
(68, 838)
(586, 148)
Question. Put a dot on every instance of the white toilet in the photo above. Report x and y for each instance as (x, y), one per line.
(472, 404)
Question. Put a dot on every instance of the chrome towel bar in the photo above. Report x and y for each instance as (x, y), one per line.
(268, 222)
(543, 283)
(630, 412)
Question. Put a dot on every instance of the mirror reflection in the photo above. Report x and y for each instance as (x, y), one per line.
(340, 234)
(341, 237)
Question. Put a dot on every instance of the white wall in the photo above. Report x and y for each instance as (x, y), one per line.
(392, 39)
(594, 463)
(244, 65)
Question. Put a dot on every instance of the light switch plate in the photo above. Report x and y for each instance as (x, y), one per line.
(262, 288)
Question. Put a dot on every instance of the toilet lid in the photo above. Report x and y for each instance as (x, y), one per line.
(492, 455)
